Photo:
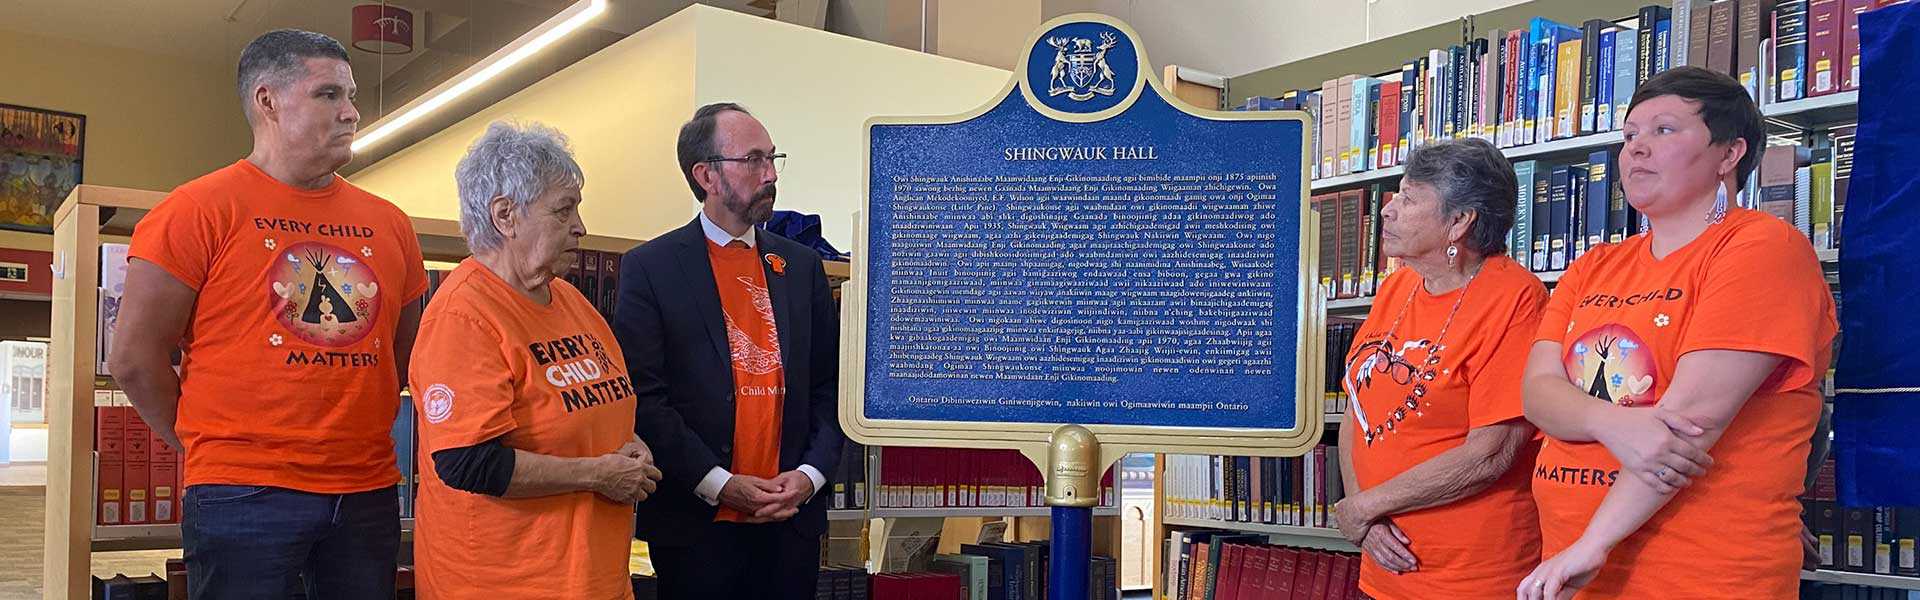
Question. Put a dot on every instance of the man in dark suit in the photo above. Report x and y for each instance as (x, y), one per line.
(732, 341)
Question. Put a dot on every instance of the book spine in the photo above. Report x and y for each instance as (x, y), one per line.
(1589, 75)
(1558, 214)
(1790, 49)
(1566, 98)
(1603, 96)
(1699, 36)
(1626, 53)
(1520, 242)
(1850, 42)
(1662, 45)
(1682, 11)
(1823, 46)
(1747, 46)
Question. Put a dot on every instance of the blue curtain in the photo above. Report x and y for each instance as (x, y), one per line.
(1877, 408)
(803, 228)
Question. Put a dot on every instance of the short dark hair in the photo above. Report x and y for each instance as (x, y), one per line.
(278, 57)
(1470, 175)
(1724, 104)
(697, 141)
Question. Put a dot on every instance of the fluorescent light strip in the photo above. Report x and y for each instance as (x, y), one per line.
(518, 50)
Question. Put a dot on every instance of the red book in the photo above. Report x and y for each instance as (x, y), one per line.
(164, 469)
(1280, 573)
(1253, 572)
(1850, 42)
(1233, 564)
(1823, 46)
(1323, 575)
(109, 429)
(136, 478)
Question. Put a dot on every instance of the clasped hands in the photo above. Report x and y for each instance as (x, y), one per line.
(767, 500)
(1375, 534)
(627, 475)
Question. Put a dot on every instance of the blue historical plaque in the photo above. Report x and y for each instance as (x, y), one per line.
(1082, 250)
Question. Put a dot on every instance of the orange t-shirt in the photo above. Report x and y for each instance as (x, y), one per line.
(758, 379)
(549, 380)
(288, 378)
(1623, 319)
(1477, 547)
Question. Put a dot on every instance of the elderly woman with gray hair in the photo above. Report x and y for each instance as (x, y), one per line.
(1435, 446)
(530, 466)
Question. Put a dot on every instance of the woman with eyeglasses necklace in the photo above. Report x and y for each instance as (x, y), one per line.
(1434, 443)
(1706, 334)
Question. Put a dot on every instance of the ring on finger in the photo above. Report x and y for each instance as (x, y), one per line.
(1662, 473)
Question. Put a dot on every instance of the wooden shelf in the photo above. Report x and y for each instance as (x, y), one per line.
(1312, 537)
(850, 514)
(1574, 145)
(984, 511)
(1817, 111)
(1867, 579)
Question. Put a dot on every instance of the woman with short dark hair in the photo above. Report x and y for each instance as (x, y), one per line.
(1437, 449)
(1677, 372)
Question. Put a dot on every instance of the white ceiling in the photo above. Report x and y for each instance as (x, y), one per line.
(449, 34)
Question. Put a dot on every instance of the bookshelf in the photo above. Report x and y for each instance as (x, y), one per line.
(1805, 113)
(89, 213)
(1867, 579)
(1287, 535)
(1795, 119)
(984, 511)
(1358, 307)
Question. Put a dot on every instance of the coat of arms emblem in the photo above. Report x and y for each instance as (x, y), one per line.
(1080, 68)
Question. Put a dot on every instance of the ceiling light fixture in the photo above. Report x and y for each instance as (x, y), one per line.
(568, 20)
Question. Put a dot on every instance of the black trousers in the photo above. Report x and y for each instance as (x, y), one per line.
(770, 561)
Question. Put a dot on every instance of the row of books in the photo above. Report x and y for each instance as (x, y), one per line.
(597, 275)
(1220, 565)
(138, 477)
(1860, 539)
(1813, 590)
(1564, 210)
(1018, 571)
(1513, 88)
(848, 482)
(1340, 334)
(1782, 50)
(1297, 491)
(960, 478)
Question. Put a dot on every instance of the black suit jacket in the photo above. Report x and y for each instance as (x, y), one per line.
(670, 326)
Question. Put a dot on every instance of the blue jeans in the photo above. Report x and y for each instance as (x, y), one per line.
(249, 541)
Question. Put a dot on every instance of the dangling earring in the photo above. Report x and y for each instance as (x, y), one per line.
(1719, 210)
(1453, 250)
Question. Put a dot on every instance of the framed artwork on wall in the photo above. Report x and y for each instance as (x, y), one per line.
(41, 152)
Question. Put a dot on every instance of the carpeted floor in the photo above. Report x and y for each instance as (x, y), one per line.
(22, 525)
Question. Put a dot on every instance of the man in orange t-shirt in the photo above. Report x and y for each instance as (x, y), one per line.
(732, 340)
(293, 294)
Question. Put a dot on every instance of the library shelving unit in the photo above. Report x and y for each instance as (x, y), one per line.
(1794, 118)
(90, 212)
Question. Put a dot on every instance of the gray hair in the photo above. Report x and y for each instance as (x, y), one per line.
(1471, 176)
(277, 58)
(515, 161)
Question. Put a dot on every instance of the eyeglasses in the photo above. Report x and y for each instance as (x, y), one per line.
(755, 160)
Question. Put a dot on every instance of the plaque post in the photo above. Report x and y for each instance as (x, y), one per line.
(1073, 489)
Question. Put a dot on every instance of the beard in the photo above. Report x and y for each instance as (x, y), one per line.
(755, 209)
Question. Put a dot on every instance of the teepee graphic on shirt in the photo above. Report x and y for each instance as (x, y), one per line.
(322, 299)
(1599, 388)
(748, 355)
